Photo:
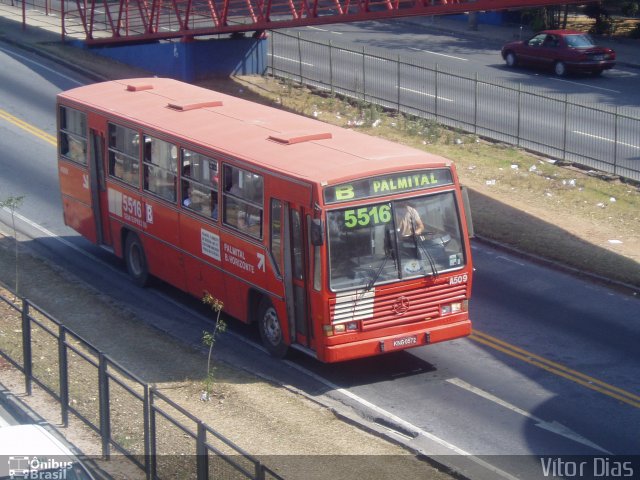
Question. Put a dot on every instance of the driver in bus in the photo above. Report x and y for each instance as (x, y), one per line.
(408, 221)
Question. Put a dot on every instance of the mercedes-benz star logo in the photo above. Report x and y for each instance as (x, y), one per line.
(401, 305)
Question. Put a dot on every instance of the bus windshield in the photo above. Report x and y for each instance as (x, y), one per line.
(390, 241)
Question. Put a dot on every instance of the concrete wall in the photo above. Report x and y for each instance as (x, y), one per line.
(486, 18)
(193, 60)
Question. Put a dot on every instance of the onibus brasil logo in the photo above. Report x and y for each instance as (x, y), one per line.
(38, 468)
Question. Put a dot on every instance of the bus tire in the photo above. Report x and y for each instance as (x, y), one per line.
(136, 260)
(271, 330)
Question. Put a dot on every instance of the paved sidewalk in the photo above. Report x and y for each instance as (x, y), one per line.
(42, 35)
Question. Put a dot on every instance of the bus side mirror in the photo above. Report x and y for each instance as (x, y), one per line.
(467, 211)
(317, 229)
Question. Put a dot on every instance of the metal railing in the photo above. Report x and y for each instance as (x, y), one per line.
(66, 363)
(606, 139)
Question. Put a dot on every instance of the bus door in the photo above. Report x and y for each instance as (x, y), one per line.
(99, 197)
(296, 276)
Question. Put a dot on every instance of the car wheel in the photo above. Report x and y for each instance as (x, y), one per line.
(560, 69)
(596, 73)
(511, 59)
(136, 260)
(270, 329)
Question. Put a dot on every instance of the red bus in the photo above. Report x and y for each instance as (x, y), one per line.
(335, 243)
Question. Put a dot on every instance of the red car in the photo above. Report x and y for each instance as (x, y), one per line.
(561, 50)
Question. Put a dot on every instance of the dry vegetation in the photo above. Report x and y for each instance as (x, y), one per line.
(622, 26)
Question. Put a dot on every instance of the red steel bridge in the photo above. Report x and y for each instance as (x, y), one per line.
(130, 21)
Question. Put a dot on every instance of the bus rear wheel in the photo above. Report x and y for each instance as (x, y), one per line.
(270, 329)
(136, 260)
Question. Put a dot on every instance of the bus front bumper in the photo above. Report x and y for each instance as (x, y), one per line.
(378, 346)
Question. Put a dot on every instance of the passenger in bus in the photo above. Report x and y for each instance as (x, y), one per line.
(76, 150)
(187, 199)
(408, 221)
(118, 165)
(192, 197)
(214, 210)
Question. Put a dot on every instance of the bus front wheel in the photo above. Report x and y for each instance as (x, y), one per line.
(270, 329)
(136, 261)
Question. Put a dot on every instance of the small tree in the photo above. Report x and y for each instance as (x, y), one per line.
(13, 203)
(209, 340)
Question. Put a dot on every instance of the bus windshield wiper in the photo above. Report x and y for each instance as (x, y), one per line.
(376, 275)
(429, 258)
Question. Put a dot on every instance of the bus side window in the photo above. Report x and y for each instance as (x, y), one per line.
(160, 168)
(243, 200)
(199, 183)
(73, 135)
(124, 154)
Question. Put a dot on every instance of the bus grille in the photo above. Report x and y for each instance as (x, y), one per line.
(385, 308)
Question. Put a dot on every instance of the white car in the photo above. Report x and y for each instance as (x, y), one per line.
(31, 451)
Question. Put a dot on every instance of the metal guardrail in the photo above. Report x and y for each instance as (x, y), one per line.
(209, 455)
(606, 139)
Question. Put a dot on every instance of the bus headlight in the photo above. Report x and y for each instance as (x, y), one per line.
(340, 328)
(455, 307)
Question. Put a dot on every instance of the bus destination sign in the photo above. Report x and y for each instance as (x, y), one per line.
(388, 184)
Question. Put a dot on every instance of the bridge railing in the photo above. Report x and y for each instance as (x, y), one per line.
(121, 22)
(595, 137)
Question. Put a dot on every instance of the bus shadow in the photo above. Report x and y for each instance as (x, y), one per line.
(366, 371)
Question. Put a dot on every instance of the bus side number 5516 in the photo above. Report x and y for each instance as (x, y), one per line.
(132, 206)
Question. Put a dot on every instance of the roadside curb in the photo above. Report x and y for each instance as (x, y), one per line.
(16, 407)
(632, 290)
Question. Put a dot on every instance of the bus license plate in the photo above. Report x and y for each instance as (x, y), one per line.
(401, 342)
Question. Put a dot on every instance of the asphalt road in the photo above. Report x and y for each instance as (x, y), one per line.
(593, 121)
(551, 370)
(428, 42)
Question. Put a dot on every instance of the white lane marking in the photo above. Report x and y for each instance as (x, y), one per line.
(324, 30)
(290, 60)
(440, 54)
(400, 421)
(604, 139)
(359, 54)
(66, 243)
(510, 260)
(584, 85)
(12, 53)
(553, 426)
(425, 94)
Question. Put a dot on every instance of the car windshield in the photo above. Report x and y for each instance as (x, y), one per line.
(384, 242)
(579, 41)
